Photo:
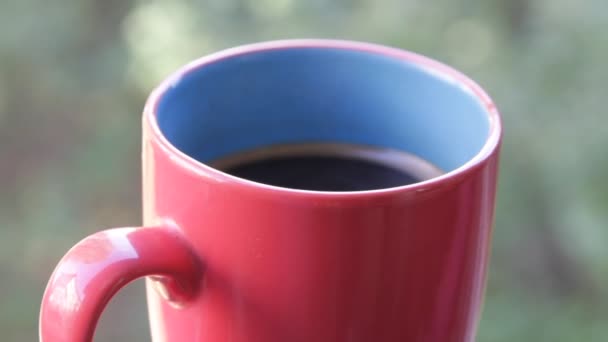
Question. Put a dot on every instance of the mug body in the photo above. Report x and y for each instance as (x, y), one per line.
(400, 264)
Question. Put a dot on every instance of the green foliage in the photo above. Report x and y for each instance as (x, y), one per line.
(74, 76)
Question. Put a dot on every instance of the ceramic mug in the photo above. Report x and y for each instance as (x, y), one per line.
(227, 259)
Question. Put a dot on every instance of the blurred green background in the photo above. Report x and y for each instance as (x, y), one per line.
(74, 75)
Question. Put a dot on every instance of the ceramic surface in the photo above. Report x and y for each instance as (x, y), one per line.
(233, 260)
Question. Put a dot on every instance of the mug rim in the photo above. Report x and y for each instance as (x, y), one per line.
(436, 68)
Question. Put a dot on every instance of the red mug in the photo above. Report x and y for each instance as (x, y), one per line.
(228, 259)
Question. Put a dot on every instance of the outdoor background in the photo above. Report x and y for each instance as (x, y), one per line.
(74, 75)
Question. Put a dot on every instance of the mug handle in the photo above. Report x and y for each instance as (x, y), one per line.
(95, 269)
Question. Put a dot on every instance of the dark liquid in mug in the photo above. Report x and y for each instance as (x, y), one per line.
(331, 168)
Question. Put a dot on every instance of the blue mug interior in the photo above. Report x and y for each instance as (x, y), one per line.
(322, 95)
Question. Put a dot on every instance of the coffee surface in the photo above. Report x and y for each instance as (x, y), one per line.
(330, 168)
(322, 173)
